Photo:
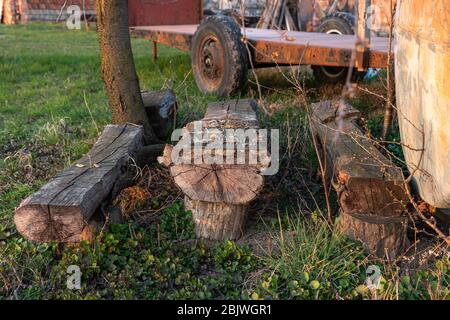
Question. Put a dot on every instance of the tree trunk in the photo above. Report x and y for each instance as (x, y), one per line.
(118, 69)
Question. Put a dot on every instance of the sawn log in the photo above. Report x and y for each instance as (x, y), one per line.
(62, 208)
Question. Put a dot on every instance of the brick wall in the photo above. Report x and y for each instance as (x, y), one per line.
(21, 11)
(48, 10)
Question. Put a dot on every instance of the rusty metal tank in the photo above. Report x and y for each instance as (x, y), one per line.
(422, 61)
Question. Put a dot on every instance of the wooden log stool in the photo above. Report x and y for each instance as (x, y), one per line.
(218, 194)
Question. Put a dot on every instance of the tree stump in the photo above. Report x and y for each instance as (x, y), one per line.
(217, 220)
(369, 186)
(218, 194)
(63, 209)
(381, 236)
(160, 107)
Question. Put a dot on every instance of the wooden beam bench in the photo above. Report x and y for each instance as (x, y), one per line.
(63, 208)
(66, 209)
(370, 188)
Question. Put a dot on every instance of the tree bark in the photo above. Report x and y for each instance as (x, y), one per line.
(217, 220)
(384, 237)
(118, 69)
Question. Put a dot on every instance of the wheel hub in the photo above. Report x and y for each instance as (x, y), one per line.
(333, 72)
(211, 60)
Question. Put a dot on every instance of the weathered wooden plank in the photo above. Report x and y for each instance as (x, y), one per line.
(62, 208)
(331, 111)
(242, 109)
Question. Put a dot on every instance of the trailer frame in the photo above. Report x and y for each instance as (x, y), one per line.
(288, 48)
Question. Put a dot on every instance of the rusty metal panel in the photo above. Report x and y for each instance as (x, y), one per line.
(294, 48)
(269, 53)
(272, 47)
(178, 37)
(164, 12)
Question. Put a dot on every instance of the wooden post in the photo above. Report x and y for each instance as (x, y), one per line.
(362, 35)
(219, 194)
(155, 50)
(369, 186)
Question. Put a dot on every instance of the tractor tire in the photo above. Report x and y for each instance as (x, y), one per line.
(342, 23)
(233, 14)
(219, 57)
(208, 12)
(338, 23)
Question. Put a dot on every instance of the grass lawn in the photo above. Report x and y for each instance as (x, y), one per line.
(52, 107)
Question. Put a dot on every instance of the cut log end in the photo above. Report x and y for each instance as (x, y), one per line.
(35, 222)
(231, 184)
(161, 108)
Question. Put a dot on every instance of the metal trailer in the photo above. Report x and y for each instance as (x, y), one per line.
(222, 51)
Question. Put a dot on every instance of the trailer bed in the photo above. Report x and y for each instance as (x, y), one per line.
(280, 47)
